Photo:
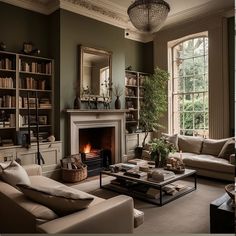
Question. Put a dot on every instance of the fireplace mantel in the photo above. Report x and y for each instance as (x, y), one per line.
(74, 111)
(96, 118)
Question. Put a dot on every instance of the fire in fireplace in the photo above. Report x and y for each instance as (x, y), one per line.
(96, 146)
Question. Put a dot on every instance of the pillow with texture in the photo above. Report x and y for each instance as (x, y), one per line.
(172, 139)
(227, 149)
(13, 173)
(61, 199)
(190, 144)
(213, 146)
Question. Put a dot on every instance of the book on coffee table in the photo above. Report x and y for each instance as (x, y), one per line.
(136, 174)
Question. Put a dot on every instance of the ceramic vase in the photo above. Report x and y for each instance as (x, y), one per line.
(117, 103)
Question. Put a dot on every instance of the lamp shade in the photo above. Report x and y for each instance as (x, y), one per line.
(148, 15)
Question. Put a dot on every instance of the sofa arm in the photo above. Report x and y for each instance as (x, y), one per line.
(115, 215)
(33, 169)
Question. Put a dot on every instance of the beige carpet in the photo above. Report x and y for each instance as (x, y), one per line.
(188, 214)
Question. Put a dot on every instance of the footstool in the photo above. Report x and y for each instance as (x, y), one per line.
(138, 218)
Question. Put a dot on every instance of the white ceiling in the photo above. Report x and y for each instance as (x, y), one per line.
(115, 11)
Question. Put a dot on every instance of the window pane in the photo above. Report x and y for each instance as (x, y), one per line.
(199, 120)
(188, 48)
(188, 67)
(188, 102)
(188, 120)
(206, 101)
(200, 83)
(199, 65)
(178, 51)
(206, 45)
(198, 46)
(178, 68)
(189, 84)
(198, 102)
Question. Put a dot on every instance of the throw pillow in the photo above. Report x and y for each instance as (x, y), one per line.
(172, 139)
(213, 146)
(13, 173)
(190, 144)
(61, 199)
(227, 149)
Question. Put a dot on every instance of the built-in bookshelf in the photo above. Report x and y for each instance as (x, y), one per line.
(25, 79)
(133, 98)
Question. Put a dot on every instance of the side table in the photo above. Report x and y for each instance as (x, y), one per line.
(222, 215)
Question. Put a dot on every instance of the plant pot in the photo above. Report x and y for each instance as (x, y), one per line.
(138, 152)
(117, 103)
(160, 160)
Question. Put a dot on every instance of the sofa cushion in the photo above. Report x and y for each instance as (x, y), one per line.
(213, 146)
(190, 144)
(209, 162)
(40, 212)
(227, 149)
(13, 173)
(172, 139)
(61, 199)
(44, 181)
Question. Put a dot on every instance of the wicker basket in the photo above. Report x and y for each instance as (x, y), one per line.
(74, 175)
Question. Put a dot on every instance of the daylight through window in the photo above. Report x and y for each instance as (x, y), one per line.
(189, 90)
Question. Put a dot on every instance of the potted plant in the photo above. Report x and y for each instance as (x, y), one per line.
(154, 103)
(160, 149)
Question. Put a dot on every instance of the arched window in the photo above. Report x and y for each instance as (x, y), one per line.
(188, 112)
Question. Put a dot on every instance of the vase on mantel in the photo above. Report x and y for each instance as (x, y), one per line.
(117, 103)
(77, 103)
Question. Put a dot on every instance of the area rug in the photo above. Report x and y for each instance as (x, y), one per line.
(188, 214)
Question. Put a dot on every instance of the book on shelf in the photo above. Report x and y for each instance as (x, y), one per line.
(153, 193)
(36, 67)
(6, 82)
(6, 64)
(170, 189)
(8, 101)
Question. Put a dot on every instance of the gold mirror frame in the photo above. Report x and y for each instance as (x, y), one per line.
(95, 52)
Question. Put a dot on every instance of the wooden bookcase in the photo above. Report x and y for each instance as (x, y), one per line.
(133, 98)
(22, 75)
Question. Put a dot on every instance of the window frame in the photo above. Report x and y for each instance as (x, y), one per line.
(172, 93)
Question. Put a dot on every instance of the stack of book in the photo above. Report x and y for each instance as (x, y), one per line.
(136, 174)
(45, 103)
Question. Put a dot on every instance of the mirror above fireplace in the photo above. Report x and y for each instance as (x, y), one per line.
(95, 73)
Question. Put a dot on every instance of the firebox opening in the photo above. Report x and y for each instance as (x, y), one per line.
(98, 147)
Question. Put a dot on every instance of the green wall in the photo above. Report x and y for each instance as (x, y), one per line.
(79, 30)
(19, 25)
(58, 37)
(231, 37)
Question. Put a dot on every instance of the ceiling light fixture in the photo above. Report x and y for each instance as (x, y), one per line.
(148, 15)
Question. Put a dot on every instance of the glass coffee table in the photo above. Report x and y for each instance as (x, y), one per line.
(134, 186)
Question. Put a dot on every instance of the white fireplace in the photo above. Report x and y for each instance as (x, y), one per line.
(89, 119)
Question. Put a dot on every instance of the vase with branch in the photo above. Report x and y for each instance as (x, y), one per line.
(117, 91)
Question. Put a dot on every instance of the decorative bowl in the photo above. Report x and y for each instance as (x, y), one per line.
(230, 190)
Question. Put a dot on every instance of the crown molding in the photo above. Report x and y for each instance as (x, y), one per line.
(116, 15)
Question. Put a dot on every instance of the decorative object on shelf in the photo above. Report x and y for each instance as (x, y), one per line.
(154, 97)
(28, 48)
(160, 149)
(128, 68)
(117, 91)
(51, 138)
(148, 15)
(106, 102)
(3, 46)
(77, 103)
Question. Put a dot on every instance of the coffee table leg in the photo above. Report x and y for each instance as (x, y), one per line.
(100, 179)
(195, 180)
(161, 195)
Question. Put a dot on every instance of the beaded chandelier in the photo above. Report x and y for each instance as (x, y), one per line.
(148, 15)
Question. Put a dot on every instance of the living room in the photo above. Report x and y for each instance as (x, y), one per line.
(62, 36)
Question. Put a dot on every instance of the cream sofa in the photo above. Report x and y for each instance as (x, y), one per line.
(21, 215)
(204, 155)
